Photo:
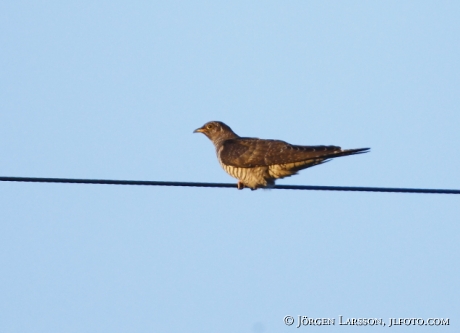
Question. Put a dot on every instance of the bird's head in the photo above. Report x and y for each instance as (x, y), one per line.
(216, 131)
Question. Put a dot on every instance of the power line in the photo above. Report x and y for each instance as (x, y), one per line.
(225, 185)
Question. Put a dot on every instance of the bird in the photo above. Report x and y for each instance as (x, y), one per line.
(257, 163)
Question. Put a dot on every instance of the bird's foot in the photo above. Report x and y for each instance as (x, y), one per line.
(240, 185)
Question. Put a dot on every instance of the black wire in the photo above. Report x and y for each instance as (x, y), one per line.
(190, 184)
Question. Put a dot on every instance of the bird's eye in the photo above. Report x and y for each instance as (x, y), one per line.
(209, 126)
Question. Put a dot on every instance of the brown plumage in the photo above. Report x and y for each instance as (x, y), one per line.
(257, 163)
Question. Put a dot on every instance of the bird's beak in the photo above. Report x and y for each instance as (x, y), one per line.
(199, 130)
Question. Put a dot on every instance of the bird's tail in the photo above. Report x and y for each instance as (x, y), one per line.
(347, 152)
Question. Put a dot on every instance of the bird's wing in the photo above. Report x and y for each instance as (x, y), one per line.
(253, 152)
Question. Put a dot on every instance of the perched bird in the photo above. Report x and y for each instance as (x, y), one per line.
(257, 163)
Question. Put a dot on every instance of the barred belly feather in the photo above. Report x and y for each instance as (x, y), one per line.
(251, 177)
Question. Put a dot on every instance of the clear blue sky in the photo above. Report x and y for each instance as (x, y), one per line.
(114, 89)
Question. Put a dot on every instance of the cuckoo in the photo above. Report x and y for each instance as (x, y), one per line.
(257, 163)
